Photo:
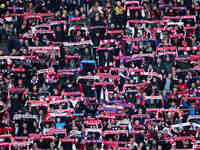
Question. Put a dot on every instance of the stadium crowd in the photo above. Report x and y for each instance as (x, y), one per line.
(99, 74)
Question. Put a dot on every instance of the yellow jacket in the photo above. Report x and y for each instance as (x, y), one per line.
(118, 10)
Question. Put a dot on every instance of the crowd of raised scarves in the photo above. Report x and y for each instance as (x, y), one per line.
(107, 75)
